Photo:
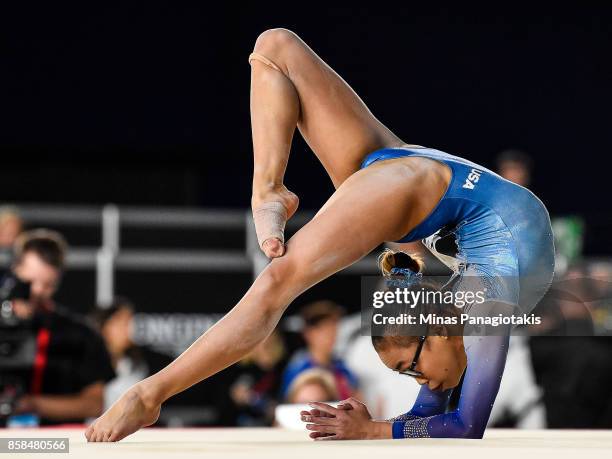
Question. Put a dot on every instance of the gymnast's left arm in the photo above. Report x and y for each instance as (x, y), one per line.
(486, 361)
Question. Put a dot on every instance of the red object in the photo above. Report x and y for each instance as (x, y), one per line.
(344, 387)
(40, 360)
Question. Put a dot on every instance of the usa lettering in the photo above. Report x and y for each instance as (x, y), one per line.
(472, 179)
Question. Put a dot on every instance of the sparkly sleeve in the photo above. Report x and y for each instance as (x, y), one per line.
(486, 360)
(428, 403)
(403, 417)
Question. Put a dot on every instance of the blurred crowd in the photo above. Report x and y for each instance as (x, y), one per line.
(83, 363)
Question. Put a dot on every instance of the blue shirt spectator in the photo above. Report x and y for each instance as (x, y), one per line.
(320, 330)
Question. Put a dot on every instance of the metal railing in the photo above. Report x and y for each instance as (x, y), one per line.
(110, 256)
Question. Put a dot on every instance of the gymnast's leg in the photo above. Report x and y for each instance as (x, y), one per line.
(371, 206)
(293, 87)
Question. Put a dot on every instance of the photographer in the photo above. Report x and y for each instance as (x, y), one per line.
(71, 364)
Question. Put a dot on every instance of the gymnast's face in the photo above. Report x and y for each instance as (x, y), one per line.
(442, 360)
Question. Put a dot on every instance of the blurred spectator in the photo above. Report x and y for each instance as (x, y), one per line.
(320, 330)
(114, 323)
(254, 385)
(568, 231)
(11, 226)
(39, 259)
(516, 166)
(314, 385)
(131, 363)
(573, 366)
(72, 363)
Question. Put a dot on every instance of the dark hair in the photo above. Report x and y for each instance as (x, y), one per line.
(386, 335)
(390, 259)
(50, 246)
(314, 313)
(100, 315)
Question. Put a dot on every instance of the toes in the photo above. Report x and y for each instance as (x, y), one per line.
(91, 434)
(273, 248)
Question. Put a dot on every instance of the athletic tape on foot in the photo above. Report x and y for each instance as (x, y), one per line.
(270, 219)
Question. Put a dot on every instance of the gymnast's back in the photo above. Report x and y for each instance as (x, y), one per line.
(500, 228)
(503, 242)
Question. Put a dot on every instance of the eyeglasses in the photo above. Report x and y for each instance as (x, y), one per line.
(411, 369)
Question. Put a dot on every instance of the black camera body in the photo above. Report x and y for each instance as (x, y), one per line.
(17, 345)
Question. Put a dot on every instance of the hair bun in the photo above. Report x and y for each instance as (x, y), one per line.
(390, 259)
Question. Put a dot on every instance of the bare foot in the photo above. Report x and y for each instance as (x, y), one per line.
(126, 416)
(273, 246)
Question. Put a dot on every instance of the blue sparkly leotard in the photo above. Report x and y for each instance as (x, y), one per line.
(504, 240)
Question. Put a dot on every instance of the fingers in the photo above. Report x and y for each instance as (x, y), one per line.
(316, 412)
(322, 414)
(344, 406)
(323, 433)
(328, 437)
(352, 402)
(322, 421)
(325, 408)
(321, 428)
(320, 435)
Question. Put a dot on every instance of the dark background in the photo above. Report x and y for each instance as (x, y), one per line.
(147, 103)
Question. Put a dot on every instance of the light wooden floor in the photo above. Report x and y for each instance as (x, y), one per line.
(277, 443)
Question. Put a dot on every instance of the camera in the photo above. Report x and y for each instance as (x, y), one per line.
(17, 345)
(11, 288)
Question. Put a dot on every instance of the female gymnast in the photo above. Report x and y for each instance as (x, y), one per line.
(386, 190)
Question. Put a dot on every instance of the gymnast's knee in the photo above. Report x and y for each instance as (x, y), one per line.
(280, 278)
(275, 39)
(274, 46)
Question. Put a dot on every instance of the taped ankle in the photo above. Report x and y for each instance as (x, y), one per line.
(270, 219)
